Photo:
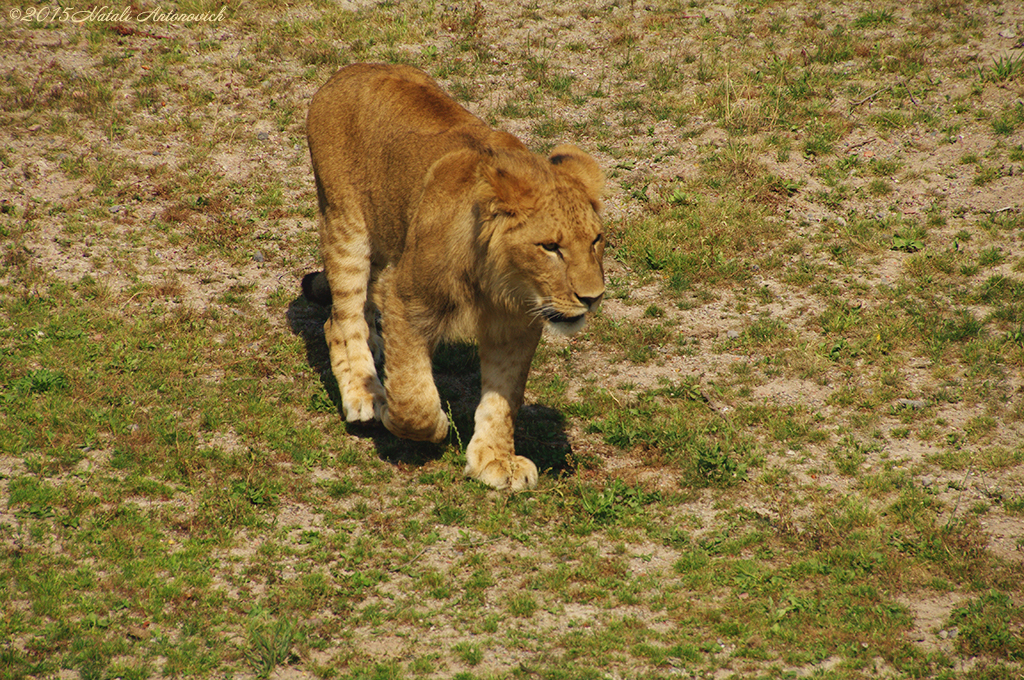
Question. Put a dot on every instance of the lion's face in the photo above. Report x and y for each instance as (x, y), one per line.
(561, 253)
(553, 242)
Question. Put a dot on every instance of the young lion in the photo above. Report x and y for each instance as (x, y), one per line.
(454, 231)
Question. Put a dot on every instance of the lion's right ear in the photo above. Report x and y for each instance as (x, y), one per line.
(507, 191)
(571, 159)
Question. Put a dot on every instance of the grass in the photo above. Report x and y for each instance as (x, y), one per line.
(795, 423)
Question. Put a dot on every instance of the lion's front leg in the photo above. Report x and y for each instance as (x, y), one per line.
(491, 456)
(413, 406)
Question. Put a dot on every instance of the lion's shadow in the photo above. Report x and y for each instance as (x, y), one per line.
(540, 431)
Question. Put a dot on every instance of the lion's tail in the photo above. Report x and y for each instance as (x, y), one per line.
(316, 289)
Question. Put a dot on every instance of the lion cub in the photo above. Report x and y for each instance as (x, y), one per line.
(452, 230)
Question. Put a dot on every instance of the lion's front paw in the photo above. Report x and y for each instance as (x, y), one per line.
(515, 473)
(423, 429)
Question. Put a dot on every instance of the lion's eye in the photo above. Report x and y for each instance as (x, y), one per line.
(550, 247)
(597, 240)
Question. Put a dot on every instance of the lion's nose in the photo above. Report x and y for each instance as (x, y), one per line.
(590, 302)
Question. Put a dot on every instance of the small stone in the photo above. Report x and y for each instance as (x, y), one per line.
(138, 632)
(258, 256)
(915, 404)
(262, 136)
(732, 335)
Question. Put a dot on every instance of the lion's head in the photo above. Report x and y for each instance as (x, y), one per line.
(545, 244)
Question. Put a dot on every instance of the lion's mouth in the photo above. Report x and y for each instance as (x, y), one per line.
(557, 317)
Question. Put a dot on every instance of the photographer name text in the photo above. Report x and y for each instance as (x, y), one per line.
(105, 14)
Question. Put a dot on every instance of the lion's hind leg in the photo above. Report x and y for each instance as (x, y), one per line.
(345, 246)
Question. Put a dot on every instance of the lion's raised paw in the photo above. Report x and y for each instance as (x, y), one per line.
(422, 429)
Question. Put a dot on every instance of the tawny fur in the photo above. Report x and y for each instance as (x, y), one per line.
(453, 230)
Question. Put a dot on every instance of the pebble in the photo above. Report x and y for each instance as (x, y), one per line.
(258, 256)
(139, 632)
(915, 404)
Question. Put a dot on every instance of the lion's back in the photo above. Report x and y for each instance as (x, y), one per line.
(388, 120)
(374, 131)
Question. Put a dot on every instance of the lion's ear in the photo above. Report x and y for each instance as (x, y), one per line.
(508, 188)
(571, 159)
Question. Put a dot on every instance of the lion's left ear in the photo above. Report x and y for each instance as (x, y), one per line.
(573, 160)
